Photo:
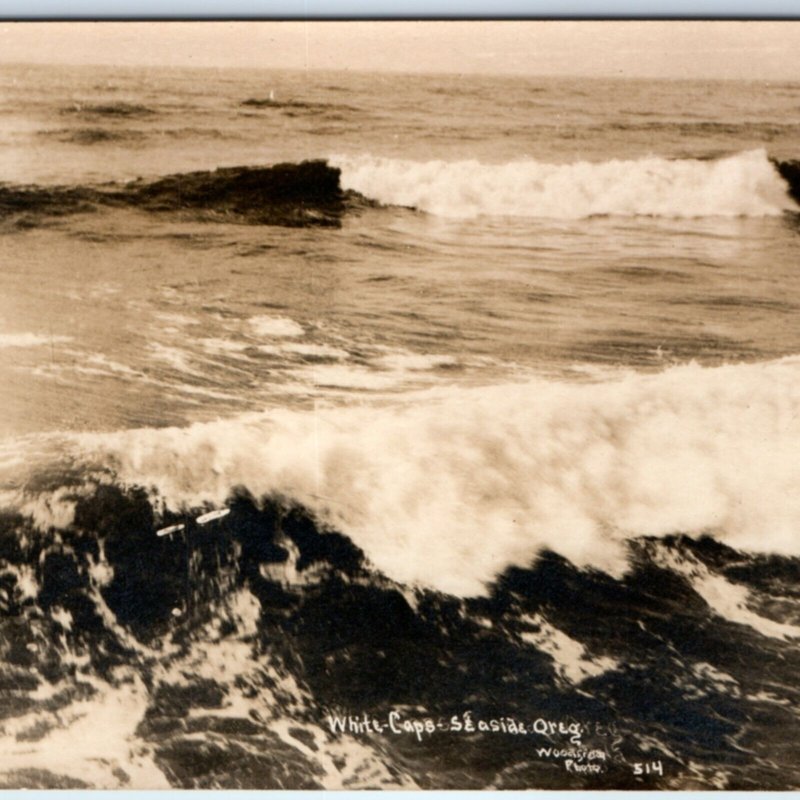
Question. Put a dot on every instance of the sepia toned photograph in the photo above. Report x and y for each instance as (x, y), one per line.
(400, 405)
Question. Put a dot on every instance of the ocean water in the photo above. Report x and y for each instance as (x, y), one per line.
(498, 381)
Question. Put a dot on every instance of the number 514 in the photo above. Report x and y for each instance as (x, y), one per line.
(648, 768)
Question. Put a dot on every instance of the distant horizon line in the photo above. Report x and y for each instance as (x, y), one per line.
(415, 74)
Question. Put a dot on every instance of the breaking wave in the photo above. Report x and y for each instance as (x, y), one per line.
(253, 656)
(312, 193)
(512, 553)
(574, 468)
(746, 184)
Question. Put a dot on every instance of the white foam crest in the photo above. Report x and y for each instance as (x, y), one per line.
(175, 320)
(104, 365)
(456, 484)
(728, 600)
(217, 346)
(746, 184)
(94, 741)
(175, 357)
(416, 361)
(571, 660)
(275, 326)
(30, 340)
(55, 509)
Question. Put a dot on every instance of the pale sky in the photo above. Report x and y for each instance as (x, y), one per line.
(686, 49)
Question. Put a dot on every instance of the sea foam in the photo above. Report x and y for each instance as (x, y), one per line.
(454, 485)
(30, 340)
(746, 184)
(275, 326)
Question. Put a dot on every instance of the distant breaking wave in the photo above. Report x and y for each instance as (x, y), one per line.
(747, 184)
(314, 193)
